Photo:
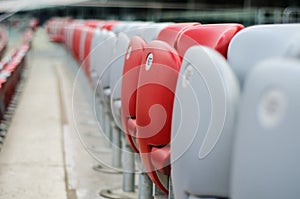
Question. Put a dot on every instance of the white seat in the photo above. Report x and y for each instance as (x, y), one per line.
(116, 71)
(100, 58)
(207, 94)
(256, 43)
(150, 32)
(266, 157)
(82, 43)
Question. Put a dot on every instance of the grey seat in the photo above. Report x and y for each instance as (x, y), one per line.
(266, 157)
(116, 70)
(254, 44)
(207, 93)
(101, 57)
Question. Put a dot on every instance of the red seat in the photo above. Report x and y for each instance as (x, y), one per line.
(155, 96)
(87, 50)
(76, 40)
(156, 88)
(132, 63)
(93, 23)
(170, 33)
(216, 36)
(108, 25)
(160, 157)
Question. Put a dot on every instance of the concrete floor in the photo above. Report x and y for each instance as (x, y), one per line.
(53, 141)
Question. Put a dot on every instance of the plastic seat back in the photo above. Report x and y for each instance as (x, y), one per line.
(82, 44)
(87, 50)
(130, 76)
(101, 63)
(76, 40)
(207, 94)
(155, 97)
(216, 36)
(116, 70)
(266, 160)
(256, 43)
(170, 33)
(151, 32)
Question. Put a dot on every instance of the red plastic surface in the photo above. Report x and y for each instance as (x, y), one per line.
(76, 40)
(87, 51)
(216, 36)
(155, 97)
(170, 33)
(108, 25)
(160, 158)
(93, 23)
(132, 63)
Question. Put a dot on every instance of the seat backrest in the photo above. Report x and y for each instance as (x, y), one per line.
(82, 44)
(93, 23)
(170, 33)
(87, 50)
(102, 57)
(207, 94)
(116, 70)
(121, 26)
(216, 36)
(70, 34)
(266, 160)
(76, 40)
(130, 76)
(108, 25)
(155, 96)
(137, 28)
(256, 43)
(151, 32)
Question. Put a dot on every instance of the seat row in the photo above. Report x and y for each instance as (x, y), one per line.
(11, 72)
(209, 108)
(3, 41)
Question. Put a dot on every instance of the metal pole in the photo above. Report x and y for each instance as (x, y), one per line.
(158, 194)
(171, 193)
(116, 140)
(128, 168)
(145, 186)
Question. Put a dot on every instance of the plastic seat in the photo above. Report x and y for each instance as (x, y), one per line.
(103, 53)
(82, 44)
(155, 148)
(76, 39)
(116, 70)
(136, 28)
(87, 50)
(170, 33)
(155, 96)
(266, 161)
(130, 76)
(216, 36)
(93, 23)
(151, 32)
(207, 94)
(108, 25)
(121, 26)
(262, 42)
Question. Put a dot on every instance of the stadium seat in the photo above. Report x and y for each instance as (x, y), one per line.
(170, 33)
(87, 50)
(153, 137)
(130, 75)
(256, 43)
(207, 94)
(116, 70)
(266, 162)
(155, 95)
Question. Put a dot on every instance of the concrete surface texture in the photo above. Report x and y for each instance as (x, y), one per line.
(43, 155)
